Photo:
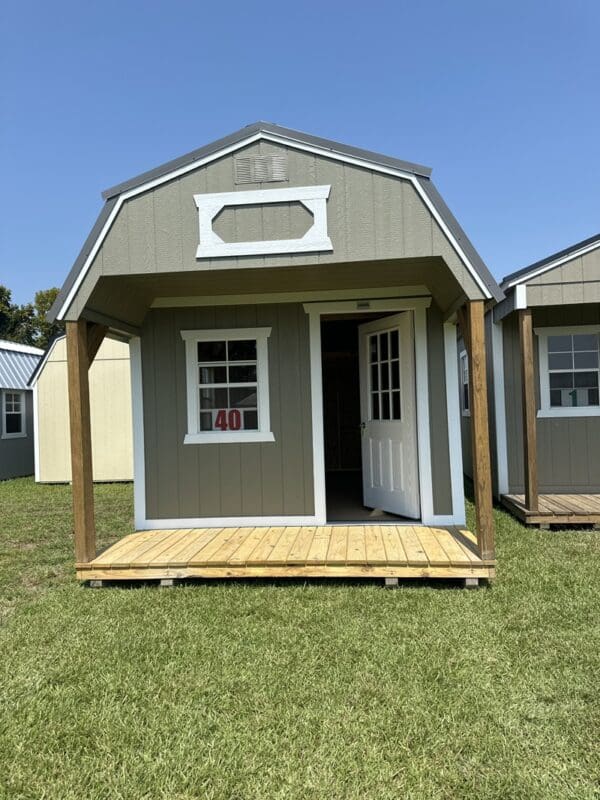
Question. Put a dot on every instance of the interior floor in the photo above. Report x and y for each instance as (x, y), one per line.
(344, 496)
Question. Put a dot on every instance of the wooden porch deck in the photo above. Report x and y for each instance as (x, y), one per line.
(336, 551)
(556, 509)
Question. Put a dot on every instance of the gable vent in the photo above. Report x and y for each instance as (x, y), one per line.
(260, 169)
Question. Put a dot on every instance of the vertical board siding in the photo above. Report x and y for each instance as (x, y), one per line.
(371, 216)
(16, 455)
(438, 413)
(237, 479)
(568, 448)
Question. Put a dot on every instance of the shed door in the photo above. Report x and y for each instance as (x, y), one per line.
(388, 413)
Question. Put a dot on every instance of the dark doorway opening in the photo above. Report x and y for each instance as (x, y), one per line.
(342, 422)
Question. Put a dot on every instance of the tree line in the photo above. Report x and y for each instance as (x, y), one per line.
(27, 323)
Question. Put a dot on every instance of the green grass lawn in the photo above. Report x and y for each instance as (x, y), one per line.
(293, 690)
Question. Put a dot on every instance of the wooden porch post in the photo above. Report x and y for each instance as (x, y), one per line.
(83, 341)
(529, 410)
(482, 471)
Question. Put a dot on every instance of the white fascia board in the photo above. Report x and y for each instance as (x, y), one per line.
(365, 164)
(553, 264)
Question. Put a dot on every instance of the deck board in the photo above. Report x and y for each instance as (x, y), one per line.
(310, 551)
(556, 509)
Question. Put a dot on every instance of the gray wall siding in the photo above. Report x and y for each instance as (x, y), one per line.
(249, 479)
(438, 413)
(569, 448)
(371, 216)
(577, 281)
(16, 455)
(253, 479)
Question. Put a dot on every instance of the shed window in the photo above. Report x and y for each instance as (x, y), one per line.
(464, 384)
(569, 371)
(227, 386)
(13, 415)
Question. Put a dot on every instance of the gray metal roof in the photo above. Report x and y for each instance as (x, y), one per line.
(524, 271)
(422, 174)
(16, 365)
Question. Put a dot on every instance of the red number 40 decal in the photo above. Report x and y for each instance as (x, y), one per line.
(228, 420)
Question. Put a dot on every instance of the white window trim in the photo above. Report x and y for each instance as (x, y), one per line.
(23, 432)
(462, 357)
(194, 435)
(546, 410)
(313, 198)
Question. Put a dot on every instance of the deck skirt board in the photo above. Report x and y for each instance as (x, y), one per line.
(556, 509)
(303, 551)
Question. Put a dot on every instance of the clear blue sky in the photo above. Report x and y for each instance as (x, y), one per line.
(500, 98)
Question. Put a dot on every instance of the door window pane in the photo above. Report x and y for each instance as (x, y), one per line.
(396, 405)
(374, 376)
(374, 405)
(385, 376)
(395, 369)
(373, 348)
(385, 405)
(395, 344)
(383, 346)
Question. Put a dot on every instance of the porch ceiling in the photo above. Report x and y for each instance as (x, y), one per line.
(128, 298)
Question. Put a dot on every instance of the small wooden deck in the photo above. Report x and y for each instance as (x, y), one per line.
(336, 551)
(556, 509)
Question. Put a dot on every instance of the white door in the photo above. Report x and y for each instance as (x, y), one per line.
(388, 413)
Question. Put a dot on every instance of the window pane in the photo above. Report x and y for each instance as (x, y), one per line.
(560, 361)
(385, 376)
(557, 344)
(211, 351)
(206, 421)
(374, 376)
(250, 420)
(395, 368)
(585, 341)
(213, 398)
(395, 405)
(240, 398)
(242, 350)
(13, 423)
(465, 396)
(383, 346)
(242, 373)
(374, 405)
(586, 379)
(385, 405)
(555, 397)
(561, 380)
(593, 397)
(586, 360)
(373, 348)
(395, 344)
(213, 374)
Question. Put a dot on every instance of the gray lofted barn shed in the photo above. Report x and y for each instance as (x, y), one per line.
(291, 306)
(17, 362)
(546, 341)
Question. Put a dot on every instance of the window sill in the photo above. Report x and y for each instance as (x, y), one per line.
(228, 438)
(13, 436)
(466, 413)
(557, 413)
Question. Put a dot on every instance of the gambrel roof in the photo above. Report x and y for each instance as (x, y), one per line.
(419, 176)
(550, 262)
(17, 362)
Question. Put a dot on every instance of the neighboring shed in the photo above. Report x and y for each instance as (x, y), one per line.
(110, 409)
(17, 362)
(546, 337)
(242, 273)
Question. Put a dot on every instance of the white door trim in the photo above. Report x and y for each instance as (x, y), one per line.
(497, 342)
(419, 306)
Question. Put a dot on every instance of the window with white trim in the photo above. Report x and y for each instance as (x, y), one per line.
(227, 385)
(464, 384)
(13, 415)
(569, 371)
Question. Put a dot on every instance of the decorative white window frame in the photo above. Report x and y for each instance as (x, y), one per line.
(22, 434)
(463, 359)
(194, 435)
(546, 410)
(313, 198)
